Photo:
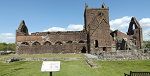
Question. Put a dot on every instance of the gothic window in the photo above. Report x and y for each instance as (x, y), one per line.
(36, 43)
(133, 27)
(47, 43)
(59, 43)
(96, 43)
(24, 44)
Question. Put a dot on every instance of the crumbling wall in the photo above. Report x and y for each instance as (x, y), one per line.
(135, 33)
(52, 42)
(68, 48)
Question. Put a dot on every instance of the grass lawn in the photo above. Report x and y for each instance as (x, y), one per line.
(41, 56)
(74, 68)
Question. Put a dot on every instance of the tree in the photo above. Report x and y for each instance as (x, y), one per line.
(9, 46)
(147, 45)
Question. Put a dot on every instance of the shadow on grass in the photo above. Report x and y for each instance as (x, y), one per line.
(13, 71)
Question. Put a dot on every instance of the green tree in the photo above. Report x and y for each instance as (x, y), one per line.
(147, 44)
(9, 46)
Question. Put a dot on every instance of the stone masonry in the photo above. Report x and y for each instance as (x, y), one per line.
(96, 37)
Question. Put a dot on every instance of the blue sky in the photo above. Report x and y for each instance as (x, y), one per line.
(42, 15)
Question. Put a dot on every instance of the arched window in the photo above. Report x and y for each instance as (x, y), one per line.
(24, 44)
(81, 41)
(58, 43)
(47, 43)
(36, 43)
(96, 43)
(69, 42)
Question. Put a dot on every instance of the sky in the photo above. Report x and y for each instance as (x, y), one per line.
(62, 15)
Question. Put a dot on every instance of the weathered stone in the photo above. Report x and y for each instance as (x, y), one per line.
(95, 38)
(13, 59)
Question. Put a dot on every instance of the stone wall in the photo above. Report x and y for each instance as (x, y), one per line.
(68, 48)
(124, 55)
(52, 42)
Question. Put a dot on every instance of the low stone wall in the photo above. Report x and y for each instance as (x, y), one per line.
(51, 49)
(6, 52)
(124, 55)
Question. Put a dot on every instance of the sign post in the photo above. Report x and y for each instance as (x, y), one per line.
(50, 66)
(50, 74)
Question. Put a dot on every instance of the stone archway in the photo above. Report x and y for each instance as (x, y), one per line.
(58, 43)
(36, 43)
(47, 43)
(24, 44)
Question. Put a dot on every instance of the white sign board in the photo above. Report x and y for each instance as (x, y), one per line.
(50, 66)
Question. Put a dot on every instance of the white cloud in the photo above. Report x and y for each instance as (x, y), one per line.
(7, 37)
(55, 29)
(146, 34)
(145, 22)
(122, 24)
(71, 27)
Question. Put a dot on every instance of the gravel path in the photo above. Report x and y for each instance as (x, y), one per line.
(91, 56)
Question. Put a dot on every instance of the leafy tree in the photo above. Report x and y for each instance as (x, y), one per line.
(147, 44)
(9, 46)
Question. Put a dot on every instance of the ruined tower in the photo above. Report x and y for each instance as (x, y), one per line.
(94, 38)
(135, 33)
(22, 30)
(98, 29)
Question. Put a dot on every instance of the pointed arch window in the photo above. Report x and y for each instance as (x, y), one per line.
(24, 44)
(59, 43)
(36, 43)
(47, 43)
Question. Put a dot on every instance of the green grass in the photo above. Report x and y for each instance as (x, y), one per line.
(74, 68)
(5, 57)
(117, 68)
(42, 55)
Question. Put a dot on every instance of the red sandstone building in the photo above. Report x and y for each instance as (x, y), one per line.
(96, 36)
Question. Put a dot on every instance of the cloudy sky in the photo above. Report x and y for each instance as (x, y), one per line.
(62, 15)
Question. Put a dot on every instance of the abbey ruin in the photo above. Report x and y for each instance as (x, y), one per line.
(96, 36)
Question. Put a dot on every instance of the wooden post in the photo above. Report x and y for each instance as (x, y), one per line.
(50, 73)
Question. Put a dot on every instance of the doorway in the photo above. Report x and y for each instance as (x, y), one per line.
(83, 49)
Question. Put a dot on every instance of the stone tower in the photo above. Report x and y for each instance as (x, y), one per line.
(98, 29)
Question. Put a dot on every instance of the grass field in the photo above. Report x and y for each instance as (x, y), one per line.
(74, 68)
